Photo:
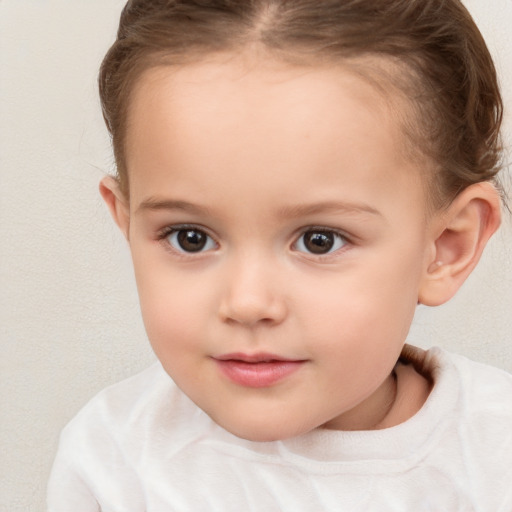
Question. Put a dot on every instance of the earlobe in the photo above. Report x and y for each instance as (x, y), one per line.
(116, 202)
(460, 236)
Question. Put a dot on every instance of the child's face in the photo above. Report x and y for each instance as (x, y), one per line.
(279, 238)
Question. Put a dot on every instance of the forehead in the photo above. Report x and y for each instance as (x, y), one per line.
(264, 117)
(252, 82)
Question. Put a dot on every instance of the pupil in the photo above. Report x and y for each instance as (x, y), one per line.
(191, 240)
(319, 243)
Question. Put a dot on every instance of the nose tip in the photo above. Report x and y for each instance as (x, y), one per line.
(251, 310)
(252, 297)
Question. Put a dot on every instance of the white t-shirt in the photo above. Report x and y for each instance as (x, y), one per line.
(143, 446)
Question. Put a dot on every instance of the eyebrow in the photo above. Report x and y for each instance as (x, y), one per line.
(294, 211)
(301, 210)
(156, 204)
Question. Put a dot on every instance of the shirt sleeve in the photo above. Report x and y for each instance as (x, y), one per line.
(67, 490)
(91, 471)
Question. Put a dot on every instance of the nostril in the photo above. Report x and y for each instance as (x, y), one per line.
(251, 312)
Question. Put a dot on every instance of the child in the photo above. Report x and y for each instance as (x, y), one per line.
(294, 177)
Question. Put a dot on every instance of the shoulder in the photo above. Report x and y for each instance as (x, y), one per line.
(485, 403)
(117, 432)
(482, 419)
(124, 417)
(114, 404)
(480, 395)
(483, 390)
(97, 441)
(479, 388)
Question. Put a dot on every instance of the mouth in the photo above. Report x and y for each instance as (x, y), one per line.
(257, 370)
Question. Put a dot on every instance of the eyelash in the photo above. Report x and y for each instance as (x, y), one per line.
(166, 232)
(342, 237)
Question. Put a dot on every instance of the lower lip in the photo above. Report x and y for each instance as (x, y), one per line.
(257, 375)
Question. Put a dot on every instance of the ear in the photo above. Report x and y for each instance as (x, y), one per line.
(459, 237)
(117, 203)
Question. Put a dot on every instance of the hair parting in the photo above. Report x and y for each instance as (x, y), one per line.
(441, 66)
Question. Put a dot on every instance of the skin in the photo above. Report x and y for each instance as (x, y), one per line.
(253, 153)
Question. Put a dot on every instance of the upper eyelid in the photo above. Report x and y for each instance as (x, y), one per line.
(171, 228)
(166, 231)
(349, 241)
(325, 229)
(162, 237)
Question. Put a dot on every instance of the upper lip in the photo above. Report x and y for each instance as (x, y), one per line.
(260, 357)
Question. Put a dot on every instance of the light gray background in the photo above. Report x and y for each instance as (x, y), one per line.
(69, 319)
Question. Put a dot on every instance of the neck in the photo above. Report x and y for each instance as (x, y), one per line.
(398, 399)
(371, 412)
(412, 392)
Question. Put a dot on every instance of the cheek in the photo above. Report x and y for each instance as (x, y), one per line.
(174, 309)
(369, 305)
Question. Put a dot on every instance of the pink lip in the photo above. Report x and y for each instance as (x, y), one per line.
(256, 370)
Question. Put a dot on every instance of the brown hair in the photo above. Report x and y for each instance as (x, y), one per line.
(447, 73)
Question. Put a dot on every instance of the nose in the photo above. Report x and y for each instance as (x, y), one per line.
(252, 296)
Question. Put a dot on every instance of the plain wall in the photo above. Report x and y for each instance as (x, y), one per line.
(69, 319)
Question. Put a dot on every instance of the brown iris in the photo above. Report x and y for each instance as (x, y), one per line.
(318, 242)
(191, 240)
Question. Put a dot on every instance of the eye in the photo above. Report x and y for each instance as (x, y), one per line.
(190, 240)
(317, 241)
